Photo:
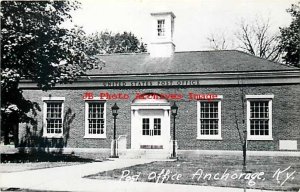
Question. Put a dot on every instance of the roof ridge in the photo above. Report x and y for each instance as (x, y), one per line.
(147, 53)
(205, 51)
(138, 53)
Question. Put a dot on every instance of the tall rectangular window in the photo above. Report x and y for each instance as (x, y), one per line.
(259, 117)
(157, 126)
(209, 119)
(95, 117)
(53, 116)
(146, 126)
(161, 27)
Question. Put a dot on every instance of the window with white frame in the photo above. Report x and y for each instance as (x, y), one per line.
(259, 117)
(209, 119)
(95, 119)
(53, 116)
(161, 27)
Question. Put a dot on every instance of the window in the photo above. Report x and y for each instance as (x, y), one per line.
(146, 126)
(53, 116)
(259, 117)
(209, 119)
(151, 126)
(157, 126)
(95, 116)
(161, 27)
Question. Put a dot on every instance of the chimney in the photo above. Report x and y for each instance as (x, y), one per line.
(162, 35)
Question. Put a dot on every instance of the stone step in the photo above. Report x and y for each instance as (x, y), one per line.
(145, 154)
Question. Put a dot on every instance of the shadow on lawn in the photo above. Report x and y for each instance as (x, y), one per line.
(34, 147)
(41, 157)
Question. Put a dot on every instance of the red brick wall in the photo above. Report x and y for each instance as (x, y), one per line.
(286, 121)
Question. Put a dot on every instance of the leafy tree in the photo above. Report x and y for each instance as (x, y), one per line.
(108, 43)
(35, 46)
(290, 38)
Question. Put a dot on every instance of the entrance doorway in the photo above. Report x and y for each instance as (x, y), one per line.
(150, 124)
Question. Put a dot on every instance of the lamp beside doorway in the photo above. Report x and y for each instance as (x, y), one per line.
(114, 109)
(174, 109)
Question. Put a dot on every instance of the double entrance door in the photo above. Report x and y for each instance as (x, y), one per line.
(150, 129)
(151, 133)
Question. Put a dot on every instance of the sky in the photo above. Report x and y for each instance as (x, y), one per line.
(196, 20)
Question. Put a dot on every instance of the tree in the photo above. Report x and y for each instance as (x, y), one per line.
(108, 43)
(255, 39)
(240, 121)
(290, 38)
(35, 46)
(218, 42)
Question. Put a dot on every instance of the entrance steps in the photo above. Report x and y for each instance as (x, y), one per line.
(144, 154)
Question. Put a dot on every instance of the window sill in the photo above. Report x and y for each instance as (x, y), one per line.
(94, 137)
(216, 138)
(260, 139)
(53, 136)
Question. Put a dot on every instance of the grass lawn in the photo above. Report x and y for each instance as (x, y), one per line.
(24, 190)
(38, 160)
(214, 171)
(15, 167)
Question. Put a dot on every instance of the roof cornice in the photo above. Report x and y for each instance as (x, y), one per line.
(179, 80)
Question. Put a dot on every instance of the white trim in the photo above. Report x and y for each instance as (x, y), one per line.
(99, 136)
(219, 97)
(136, 125)
(96, 99)
(86, 124)
(198, 119)
(53, 98)
(52, 135)
(259, 98)
(210, 137)
(259, 138)
(136, 108)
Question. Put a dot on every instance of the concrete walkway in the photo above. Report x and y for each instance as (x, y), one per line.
(69, 178)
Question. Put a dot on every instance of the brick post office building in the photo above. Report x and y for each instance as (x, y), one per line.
(218, 93)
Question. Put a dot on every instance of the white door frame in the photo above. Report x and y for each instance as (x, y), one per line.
(136, 119)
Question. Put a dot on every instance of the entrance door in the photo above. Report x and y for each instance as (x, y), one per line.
(150, 124)
(151, 133)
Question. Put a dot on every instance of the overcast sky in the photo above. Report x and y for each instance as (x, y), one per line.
(195, 19)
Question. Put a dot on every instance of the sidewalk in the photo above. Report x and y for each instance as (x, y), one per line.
(69, 178)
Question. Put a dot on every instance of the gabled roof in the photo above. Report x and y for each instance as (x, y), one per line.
(187, 62)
